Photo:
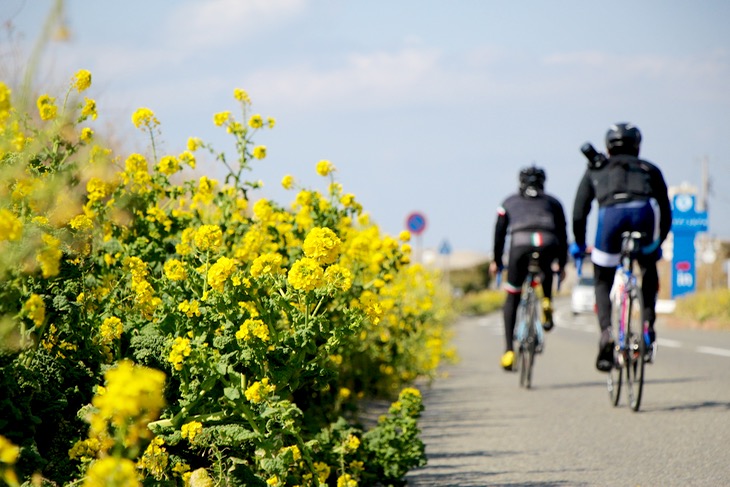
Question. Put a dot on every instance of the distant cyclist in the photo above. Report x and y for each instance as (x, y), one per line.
(534, 220)
(632, 196)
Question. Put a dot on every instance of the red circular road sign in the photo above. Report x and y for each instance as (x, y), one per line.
(416, 223)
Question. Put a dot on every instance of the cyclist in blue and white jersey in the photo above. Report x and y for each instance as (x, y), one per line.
(632, 196)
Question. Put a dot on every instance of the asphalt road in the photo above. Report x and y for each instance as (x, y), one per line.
(482, 429)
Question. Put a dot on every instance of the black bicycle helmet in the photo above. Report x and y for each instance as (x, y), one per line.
(532, 180)
(623, 138)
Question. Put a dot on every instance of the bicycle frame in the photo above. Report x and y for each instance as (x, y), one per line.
(632, 331)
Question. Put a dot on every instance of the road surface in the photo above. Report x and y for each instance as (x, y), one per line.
(482, 429)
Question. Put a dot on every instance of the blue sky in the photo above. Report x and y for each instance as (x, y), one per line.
(422, 105)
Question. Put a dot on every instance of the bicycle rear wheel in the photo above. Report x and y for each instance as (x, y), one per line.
(636, 350)
(527, 345)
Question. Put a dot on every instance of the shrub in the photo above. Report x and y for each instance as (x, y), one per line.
(266, 325)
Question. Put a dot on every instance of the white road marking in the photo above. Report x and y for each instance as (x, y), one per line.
(665, 342)
(714, 351)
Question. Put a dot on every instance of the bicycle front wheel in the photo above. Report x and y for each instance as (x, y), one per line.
(615, 375)
(636, 349)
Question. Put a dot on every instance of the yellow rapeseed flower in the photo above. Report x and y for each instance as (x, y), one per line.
(322, 245)
(338, 277)
(49, 257)
(119, 472)
(144, 117)
(191, 430)
(258, 391)
(208, 237)
(46, 107)
(111, 329)
(8, 451)
(194, 143)
(346, 480)
(190, 308)
(11, 227)
(268, 264)
(220, 272)
(287, 182)
(253, 328)
(89, 109)
(86, 134)
(175, 270)
(82, 80)
(5, 102)
(256, 121)
(180, 349)
(169, 165)
(305, 274)
(259, 152)
(220, 118)
(241, 95)
(325, 167)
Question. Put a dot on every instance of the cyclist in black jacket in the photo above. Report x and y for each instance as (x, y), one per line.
(632, 196)
(536, 221)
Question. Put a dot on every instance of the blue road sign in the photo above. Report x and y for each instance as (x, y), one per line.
(445, 248)
(416, 223)
(686, 223)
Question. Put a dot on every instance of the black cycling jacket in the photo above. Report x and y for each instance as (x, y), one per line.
(642, 181)
(524, 215)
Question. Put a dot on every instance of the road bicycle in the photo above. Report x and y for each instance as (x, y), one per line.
(529, 333)
(632, 344)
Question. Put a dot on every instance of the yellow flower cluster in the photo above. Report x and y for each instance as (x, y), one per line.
(119, 472)
(208, 237)
(89, 109)
(11, 228)
(322, 245)
(35, 309)
(219, 273)
(144, 118)
(346, 480)
(253, 328)
(175, 270)
(325, 168)
(111, 329)
(169, 165)
(155, 458)
(47, 107)
(136, 172)
(305, 275)
(190, 308)
(82, 80)
(180, 349)
(131, 398)
(259, 390)
(191, 430)
(268, 264)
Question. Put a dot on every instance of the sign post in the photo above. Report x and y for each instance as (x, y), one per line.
(686, 223)
(416, 224)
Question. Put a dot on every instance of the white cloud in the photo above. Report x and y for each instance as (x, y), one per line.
(405, 76)
(211, 23)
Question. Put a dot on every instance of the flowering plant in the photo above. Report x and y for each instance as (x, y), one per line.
(268, 326)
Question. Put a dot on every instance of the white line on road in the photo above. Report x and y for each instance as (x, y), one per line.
(665, 342)
(714, 351)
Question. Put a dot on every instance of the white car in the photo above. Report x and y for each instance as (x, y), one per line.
(583, 296)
